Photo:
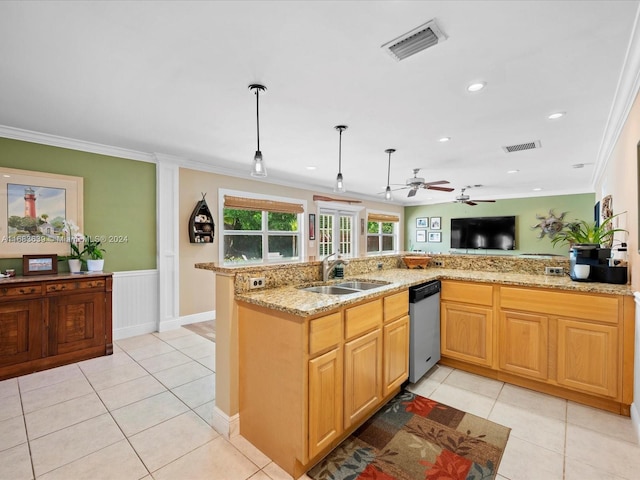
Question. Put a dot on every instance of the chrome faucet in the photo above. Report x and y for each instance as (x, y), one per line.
(328, 267)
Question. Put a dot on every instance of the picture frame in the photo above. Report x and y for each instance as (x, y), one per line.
(435, 237)
(436, 223)
(422, 222)
(39, 264)
(312, 226)
(33, 206)
(421, 236)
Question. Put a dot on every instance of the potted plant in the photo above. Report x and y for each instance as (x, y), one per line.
(581, 232)
(95, 262)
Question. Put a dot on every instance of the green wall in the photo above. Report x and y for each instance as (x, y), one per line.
(119, 199)
(525, 209)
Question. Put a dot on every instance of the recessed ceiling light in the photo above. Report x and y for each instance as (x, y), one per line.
(513, 171)
(6, 176)
(311, 167)
(444, 139)
(537, 189)
(556, 115)
(476, 86)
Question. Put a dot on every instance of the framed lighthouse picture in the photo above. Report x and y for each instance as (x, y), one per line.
(35, 207)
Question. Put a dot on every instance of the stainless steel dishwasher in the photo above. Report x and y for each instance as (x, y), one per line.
(424, 339)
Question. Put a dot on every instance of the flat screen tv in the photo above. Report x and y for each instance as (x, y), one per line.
(486, 233)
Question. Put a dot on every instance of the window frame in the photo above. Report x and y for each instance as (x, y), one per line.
(264, 232)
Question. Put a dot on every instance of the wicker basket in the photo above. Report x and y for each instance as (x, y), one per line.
(416, 261)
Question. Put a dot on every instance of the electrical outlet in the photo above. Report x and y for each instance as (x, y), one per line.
(380, 266)
(257, 282)
(438, 263)
(553, 271)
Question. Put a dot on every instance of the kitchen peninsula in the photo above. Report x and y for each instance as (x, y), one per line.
(297, 350)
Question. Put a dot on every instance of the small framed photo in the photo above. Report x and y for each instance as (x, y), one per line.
(422, 222)
(39, 264)
(421, 236)
(436, 223)
(435, 237)
(312, 226)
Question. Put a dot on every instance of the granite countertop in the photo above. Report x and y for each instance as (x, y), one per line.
(291, 299)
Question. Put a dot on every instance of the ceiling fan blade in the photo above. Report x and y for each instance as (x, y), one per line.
(490, 201)
(438, 182)
(442, 189)
(469, 202)
(412, 192)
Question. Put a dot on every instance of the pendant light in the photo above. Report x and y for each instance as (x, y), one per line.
(339, 182)
(258, 169)
(388, 196)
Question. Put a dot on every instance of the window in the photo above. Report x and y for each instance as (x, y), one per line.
(382, 233)
(336, 233)
(261, 230)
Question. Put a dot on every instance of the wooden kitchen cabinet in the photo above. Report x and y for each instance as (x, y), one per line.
(523, 344)
(53, 320)
(307, 383)
(466, 322)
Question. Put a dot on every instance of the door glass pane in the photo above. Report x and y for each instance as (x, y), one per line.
(346, 234)
(325, 235)
(242, 219)
(243, 248)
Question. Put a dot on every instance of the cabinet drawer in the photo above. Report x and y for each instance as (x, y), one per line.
(78, 285)
(362, 318)
(396, 305)
(467, 292)
(601, 308)
(20, 290)
(324, 332)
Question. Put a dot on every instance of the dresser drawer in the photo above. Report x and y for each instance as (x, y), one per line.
(362, 318)
(20, 290)
(601, 308)
(77, 285)
(325, 332)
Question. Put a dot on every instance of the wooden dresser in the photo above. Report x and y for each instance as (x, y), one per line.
(53, 320)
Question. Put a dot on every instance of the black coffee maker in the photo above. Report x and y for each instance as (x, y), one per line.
(587, 254)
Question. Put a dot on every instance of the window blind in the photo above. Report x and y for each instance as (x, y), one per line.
(381, 217)
(240, 203)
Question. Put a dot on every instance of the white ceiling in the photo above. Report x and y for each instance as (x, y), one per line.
(172, 77)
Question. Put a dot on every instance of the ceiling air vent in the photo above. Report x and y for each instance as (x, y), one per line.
(415, 41)
(522, 146)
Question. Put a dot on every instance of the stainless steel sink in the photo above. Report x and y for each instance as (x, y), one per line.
(361, 285)
(330, 290)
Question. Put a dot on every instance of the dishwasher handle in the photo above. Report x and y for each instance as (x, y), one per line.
(420, 292)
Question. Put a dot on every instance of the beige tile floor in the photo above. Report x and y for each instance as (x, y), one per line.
(144, 413)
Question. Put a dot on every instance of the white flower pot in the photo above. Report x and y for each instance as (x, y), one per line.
(95, 265)
(75, 265)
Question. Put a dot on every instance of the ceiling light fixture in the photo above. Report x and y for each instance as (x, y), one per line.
(444, 139)
(339, 182)
(556, 115)
(388, 196)
(311, 167)
(513, 171)
(537, 189)
(476, 86)
(258, 169)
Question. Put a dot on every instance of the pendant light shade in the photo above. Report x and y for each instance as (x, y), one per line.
(258, 169)
(339, 181)
(388, 196)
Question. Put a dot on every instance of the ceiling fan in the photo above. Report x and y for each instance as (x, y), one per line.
(417, 182)
(462, 198)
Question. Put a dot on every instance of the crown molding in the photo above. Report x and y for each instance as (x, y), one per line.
(623, 100)
(73, 144)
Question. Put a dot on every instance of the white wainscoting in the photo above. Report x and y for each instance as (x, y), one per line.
(635, 406)
(135, 303)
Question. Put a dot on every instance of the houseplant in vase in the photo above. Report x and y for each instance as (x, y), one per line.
(581, 232)
(95, 262)
(72, 233)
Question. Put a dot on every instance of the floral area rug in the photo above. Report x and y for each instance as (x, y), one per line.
(413, 438)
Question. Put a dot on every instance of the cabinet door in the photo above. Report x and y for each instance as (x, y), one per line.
(325, 400)
(76, 322)
(523, 344)
(396, 354)
(588, 357)
(363, 376)
(466, 332)
(20, 331)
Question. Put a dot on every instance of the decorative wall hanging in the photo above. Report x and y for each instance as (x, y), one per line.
(550, 225)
